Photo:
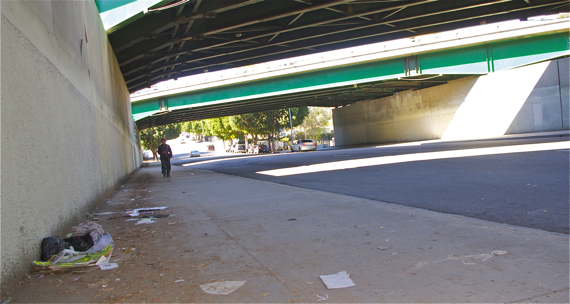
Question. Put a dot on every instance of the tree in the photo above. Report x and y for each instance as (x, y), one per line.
(150, 138)
(221, 128)
(268, 123)
(316, 120)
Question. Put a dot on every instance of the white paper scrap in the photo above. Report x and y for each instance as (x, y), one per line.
(108, 266)
(339, 280)
(222, 288)
(145, 221)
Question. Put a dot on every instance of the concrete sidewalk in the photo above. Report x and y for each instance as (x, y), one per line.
(280, 239)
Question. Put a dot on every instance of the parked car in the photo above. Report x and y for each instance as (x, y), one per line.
(256, 149)
(194, 153)
(147, 154)
(252, 149)
(263, 149)
(304, 145)
(240, 148)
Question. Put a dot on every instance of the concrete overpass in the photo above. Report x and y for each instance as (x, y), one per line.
(343, 77)
(67, 130)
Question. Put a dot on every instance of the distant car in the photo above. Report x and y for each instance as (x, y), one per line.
(252, 149)
(194, 153)
(263, 149)
(240, 148)
(147, 154)
(233, 149)
(304, 145)
(182, 141)
(256, 149)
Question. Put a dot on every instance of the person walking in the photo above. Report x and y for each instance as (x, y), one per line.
(165, 155)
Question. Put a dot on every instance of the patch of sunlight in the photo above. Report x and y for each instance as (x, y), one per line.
(395, 159)
(117, 15)
(226, 159)
(493, 103)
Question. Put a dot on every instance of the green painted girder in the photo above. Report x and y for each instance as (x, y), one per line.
(107, 5)
(480, 59)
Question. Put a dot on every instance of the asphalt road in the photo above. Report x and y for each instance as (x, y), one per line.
(529, 189)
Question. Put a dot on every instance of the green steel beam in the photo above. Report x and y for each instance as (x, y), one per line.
(474, 60)
(107, 5)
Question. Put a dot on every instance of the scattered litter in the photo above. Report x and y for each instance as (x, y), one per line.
(171, 223)
(383, 248)
(179, 281)
(108, 266)
(321, 298)
(156, 216)
(122, 186)
(222, 288)
(460, 216)
(264, 295)
(189, 250)
(132, 199)
(136, 212)
(76, 279)
(149, 191)
(104, 213)
(293, 219)
(394, 208)
(381, 227)
(310, 283)
(68, 258)
(191, 173)
(131, 220)
(466, 259)
(201, 265)
(117, 279)
(545, 210)
(338, 280)
(51, 246)
(41, 276)
(6, 301)
(145, 221)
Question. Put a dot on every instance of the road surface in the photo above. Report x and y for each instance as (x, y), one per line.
(517, 181)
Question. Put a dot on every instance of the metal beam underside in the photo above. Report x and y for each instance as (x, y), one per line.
(219, 34)
(344, 85)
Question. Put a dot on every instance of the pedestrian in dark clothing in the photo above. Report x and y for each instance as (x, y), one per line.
(165, 155)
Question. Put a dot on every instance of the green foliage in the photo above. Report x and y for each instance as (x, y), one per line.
(268, 123)
(220, 127)
(150, 138)
(317, 119)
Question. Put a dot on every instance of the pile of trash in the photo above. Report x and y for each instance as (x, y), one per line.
(86, 245)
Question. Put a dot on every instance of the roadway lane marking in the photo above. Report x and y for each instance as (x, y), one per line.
(394, 159)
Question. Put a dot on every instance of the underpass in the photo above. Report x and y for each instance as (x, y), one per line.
(67, 81)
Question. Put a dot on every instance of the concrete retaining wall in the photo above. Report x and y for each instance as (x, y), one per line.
(534, 98)
(67, 133)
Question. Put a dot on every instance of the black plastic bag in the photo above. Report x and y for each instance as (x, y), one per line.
(80, 243)
(51, 246)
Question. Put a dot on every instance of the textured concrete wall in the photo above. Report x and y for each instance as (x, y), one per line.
(66, 126)
(528, 99)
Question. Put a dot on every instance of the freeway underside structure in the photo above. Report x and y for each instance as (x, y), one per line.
(362, 74)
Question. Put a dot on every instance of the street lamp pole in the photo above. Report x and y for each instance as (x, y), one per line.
(291, 125)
